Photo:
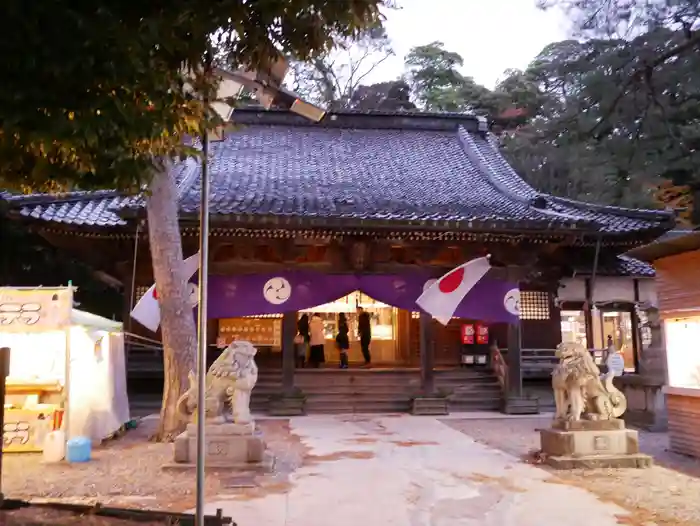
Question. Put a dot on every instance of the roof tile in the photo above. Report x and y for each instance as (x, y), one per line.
(415, 171)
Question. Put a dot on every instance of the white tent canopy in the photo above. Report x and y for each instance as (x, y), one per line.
(97, 400)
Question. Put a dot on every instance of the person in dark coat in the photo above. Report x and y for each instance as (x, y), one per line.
(364, 331)
(342, 340)
(301, 341)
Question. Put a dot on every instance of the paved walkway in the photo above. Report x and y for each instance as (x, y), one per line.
(412, 471)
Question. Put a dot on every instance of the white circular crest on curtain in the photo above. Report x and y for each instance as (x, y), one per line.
(511, 301)
(277, 290)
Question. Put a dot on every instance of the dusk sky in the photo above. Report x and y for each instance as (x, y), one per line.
(491, 35)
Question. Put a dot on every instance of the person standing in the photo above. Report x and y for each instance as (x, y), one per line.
(342, 340)
(318, 339)
(301, 341)
(364, 331)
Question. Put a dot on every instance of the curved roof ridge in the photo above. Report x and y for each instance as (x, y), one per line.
(636, 213)
(521, 190)
(61, 197)
(527, 190)
(187, 175)
(472, 152)
(523, 193)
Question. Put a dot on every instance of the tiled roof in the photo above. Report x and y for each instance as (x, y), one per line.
(618, 266)
(672, 243)
(627, 266)
(384, 168)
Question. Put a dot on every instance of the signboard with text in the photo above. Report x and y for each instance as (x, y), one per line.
(468, 333)
(35, 310)
(482, 334)
(616, 364)
(258, 331)
(24, 430)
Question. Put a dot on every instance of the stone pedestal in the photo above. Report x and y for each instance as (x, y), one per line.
(646, 405)
(520, 405)
(287, 406)
(426, 405)
(228, 445)
(592, 444)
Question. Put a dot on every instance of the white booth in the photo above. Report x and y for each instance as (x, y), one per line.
(53, 345)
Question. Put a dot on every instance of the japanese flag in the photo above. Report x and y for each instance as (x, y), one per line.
(147, 310)
(442, 298)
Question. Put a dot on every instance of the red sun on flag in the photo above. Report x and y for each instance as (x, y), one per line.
(452, 281)
(155, 294)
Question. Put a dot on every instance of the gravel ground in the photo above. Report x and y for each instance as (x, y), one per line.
(667, 494)
(34, 517)
(128, 472)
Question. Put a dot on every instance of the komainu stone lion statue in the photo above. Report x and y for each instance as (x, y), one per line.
(230, 378)
(580, 391)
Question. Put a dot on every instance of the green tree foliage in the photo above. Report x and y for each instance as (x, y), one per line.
(384, 96)
(92, 92)
(629, 93)
(31, 262)
(437, 84)
(93, 95)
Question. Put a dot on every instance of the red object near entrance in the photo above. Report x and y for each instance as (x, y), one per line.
(482, 334)
(57, 419)
(468, 334)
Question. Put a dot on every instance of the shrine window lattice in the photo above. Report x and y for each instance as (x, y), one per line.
(140, 291)
(534, 305)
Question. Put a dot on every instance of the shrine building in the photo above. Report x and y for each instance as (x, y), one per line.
(364, 209)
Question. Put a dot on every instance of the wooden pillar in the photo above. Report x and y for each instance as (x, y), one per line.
(4, 373)
(588, 315)
(515, 375)
(289, 330)
(636, 331)
(427, 355)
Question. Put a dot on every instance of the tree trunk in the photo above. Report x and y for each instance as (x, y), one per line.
(176, 319)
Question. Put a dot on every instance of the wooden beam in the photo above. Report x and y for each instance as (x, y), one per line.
(515, 376)
(588, 314)
(427, 355)
(289, 330)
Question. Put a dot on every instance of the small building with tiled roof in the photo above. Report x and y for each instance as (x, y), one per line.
(362, 193)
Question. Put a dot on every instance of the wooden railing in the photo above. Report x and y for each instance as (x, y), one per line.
(500, 367)
(539, 363)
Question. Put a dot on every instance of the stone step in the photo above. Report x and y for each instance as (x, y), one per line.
(469, 388)
(339, 407)
(458, 374)
(475, 404)
(374, 391)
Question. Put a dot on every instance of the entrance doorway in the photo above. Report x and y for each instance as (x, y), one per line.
(387, 323)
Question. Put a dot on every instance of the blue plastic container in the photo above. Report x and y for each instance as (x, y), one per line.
(78, 449)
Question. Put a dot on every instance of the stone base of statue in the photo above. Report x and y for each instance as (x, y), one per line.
(591, 444)
(227, 446)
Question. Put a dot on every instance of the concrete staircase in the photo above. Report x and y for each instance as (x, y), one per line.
(541, 389)
(269, 385)
(469, 389)
(358, 390)
(392, 390)
(353, 390)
